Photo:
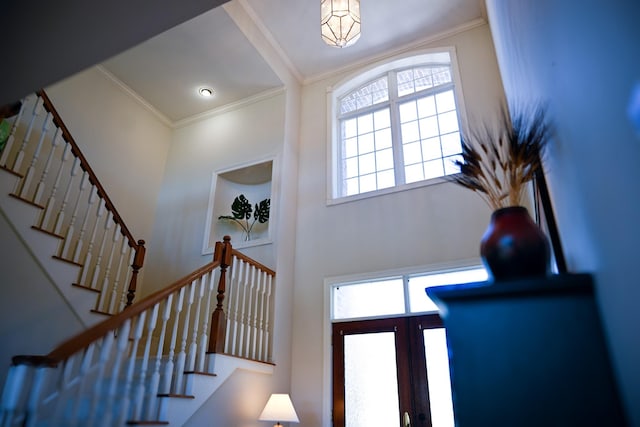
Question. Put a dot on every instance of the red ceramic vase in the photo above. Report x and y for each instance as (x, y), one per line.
(513, 246)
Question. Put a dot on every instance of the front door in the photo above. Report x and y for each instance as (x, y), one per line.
(391, 372)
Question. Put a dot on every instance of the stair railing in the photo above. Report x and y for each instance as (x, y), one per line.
(250, 307)
(56, 177)
(120, 370)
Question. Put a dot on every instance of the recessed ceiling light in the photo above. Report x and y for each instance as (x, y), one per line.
(206, 92)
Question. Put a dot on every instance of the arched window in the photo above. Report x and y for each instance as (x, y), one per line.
(395, 125)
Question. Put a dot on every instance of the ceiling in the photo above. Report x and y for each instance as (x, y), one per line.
(211, 50)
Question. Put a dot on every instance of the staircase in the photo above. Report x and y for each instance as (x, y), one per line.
(152, 362)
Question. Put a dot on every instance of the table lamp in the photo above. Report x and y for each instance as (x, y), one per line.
(279, 408)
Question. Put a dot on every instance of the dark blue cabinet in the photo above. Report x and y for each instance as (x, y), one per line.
(528, 353)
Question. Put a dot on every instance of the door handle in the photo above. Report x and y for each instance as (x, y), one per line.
(406, 420)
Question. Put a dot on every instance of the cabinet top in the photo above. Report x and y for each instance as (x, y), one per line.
(556, 284)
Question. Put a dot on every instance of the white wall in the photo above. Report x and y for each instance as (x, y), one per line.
(125, 144)
(29, 304)
(583, 60)
(197, 150)
(429, 225)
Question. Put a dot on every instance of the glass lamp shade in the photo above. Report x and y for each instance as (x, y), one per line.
(340, 22)
(279, 408)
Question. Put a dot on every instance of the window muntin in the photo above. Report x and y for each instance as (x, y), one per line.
(398, 128)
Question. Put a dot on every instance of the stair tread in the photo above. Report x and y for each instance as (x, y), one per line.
(18, 174)
(179, 396)
(77, 285)
(50, 233)
(69, 261)
(209, 374)
(22, 199)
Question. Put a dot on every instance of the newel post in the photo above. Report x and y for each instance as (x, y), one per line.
(138, 261)
(223, 253)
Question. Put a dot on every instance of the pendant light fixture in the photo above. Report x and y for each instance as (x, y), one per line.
(340, 22)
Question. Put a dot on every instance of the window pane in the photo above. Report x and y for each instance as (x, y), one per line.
(349, 128)
(405, 82)
(451, 144)
(448, 122)
(412, 153)
(351, 167)
(429, 127)
(413, 173)
(433, 169)
(431, 149)
(384, 159)
(351, 147)
(352, 186)
(365, 143)
(419, 301)
(408, 112)
(423, 83)
(438, 378)
(381, 119)
(386, 179)
(367, 164)
(383, 138)
(427, 106)
(368, 183)
(449, 165)
(365, 123)
(367, 299)
(370, 365)
(445, 101)
(410, 132)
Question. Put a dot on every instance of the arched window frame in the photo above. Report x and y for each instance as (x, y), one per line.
(362, 78)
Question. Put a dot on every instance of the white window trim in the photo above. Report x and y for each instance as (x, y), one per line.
(361, 77)
(330, 282)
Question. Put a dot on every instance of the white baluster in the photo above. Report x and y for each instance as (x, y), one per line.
(99, 380)
(117, 294)
(236, 289)
(138, 327)
(14, 387)
(180, 360)
(193, 348)
(86, 263)
(107, 271)
(93, 196)
(243, 305)
(46, 215)
(9, 144)
(60, 218)
(40, 379)
(267, 325)
(121, 348)
(31, 170)
(66, 248)
(55, 141)
(96, 271)
(167, 378)
(37, 108)
(263, 303)
(202, 351)
(140, 392)
(252, 313)
(72, 418)
(154, 383)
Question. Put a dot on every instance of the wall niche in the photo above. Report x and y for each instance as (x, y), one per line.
(254, 182)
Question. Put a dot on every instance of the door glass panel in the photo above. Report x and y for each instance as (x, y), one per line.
(371, 381)
(435, 348)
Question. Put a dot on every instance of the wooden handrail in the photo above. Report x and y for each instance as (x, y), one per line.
(82, 340)
(253, 262)
(84, 164)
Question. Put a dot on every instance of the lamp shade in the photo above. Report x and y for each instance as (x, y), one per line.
(340, 22)
(279, 408)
